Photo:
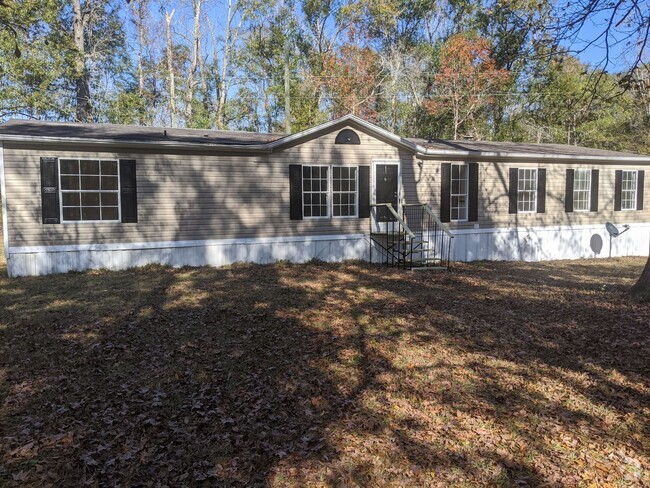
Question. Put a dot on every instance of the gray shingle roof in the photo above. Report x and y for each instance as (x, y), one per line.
(153, 135)
(133, 133)
(515, 147)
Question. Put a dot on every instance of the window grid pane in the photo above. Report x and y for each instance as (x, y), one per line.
(581, 189)
(458, 192)
(527, 190)
(344, 192)
(89, 190)
(628, 190)
(315, 191)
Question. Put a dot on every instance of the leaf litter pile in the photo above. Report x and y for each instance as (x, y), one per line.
(511, 374)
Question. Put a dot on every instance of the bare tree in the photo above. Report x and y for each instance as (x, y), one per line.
(84, 110)
(192, 80)
(170, 69)
(139, 9)
(230, 35)
(622, 25)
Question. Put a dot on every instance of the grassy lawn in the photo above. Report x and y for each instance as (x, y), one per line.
(494, 374)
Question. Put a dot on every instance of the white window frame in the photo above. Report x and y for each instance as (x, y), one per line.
(62, 191)
(587, 191)
(452, 194)
(356, 191)
(635, 190)
(326, 192)
(532, 192)
(330, 192)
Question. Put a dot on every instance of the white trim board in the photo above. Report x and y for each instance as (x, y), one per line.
(3, 190)
(126, 246)
(497, 230)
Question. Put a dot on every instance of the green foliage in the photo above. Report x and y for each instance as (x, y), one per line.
(127, 108)
(377, 58)
(34, 69)
(572, 104)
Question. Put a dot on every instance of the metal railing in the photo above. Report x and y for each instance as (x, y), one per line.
(434, 239)
(396, 242)
(415, 239)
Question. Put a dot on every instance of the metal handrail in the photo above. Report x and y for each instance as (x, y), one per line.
(389, 206)
(438, 221)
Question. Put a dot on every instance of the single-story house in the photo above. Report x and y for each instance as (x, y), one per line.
(81, 196)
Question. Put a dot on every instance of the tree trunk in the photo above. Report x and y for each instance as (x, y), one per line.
(287, 89)
(170, 69)
(224, 67)
(642, 287)
(139, 11)
(191, 76)
(84, 110)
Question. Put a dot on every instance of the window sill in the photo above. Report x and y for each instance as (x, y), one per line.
(68, 222)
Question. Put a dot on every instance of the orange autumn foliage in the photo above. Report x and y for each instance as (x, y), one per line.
(467, 80)
(353, 76)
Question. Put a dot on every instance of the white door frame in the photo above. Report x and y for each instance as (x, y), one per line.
(381, 226)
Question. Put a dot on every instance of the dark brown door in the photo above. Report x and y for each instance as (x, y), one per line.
(386, 190)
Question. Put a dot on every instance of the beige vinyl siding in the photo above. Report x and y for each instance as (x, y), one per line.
(493, 202)
(189, 196)
(184, 195)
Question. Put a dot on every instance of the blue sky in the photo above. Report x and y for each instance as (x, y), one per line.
(621, 52)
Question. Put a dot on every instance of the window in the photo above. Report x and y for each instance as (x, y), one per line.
(527, 190)
(628, 190)
(322, 199)
(315, 191)
(458, 192)
(89, 190)
(582, 189)
(344, 191)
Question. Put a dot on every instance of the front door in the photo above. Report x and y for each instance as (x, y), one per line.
(386, 189)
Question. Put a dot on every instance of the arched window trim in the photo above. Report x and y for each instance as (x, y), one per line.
(347, 136)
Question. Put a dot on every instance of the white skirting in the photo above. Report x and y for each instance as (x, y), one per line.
(527, 244)
(547, 243)
(60, 259)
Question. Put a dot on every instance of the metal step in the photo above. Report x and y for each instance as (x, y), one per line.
(426, 260)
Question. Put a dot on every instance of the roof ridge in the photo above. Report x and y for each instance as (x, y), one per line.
(103, 124)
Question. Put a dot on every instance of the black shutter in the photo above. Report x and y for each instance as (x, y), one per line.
(512, 191)
(445, 192)
(472, 197)
(568, 191)
(541, 190)
(593, 205)
(50, 191)
(639, 190)
(295, 191)
(618, 186)
(364, 192)
(128, 191)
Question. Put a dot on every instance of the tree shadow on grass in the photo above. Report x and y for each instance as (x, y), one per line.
(295, 375)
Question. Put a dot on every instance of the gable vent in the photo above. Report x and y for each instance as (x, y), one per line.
(347, 136)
